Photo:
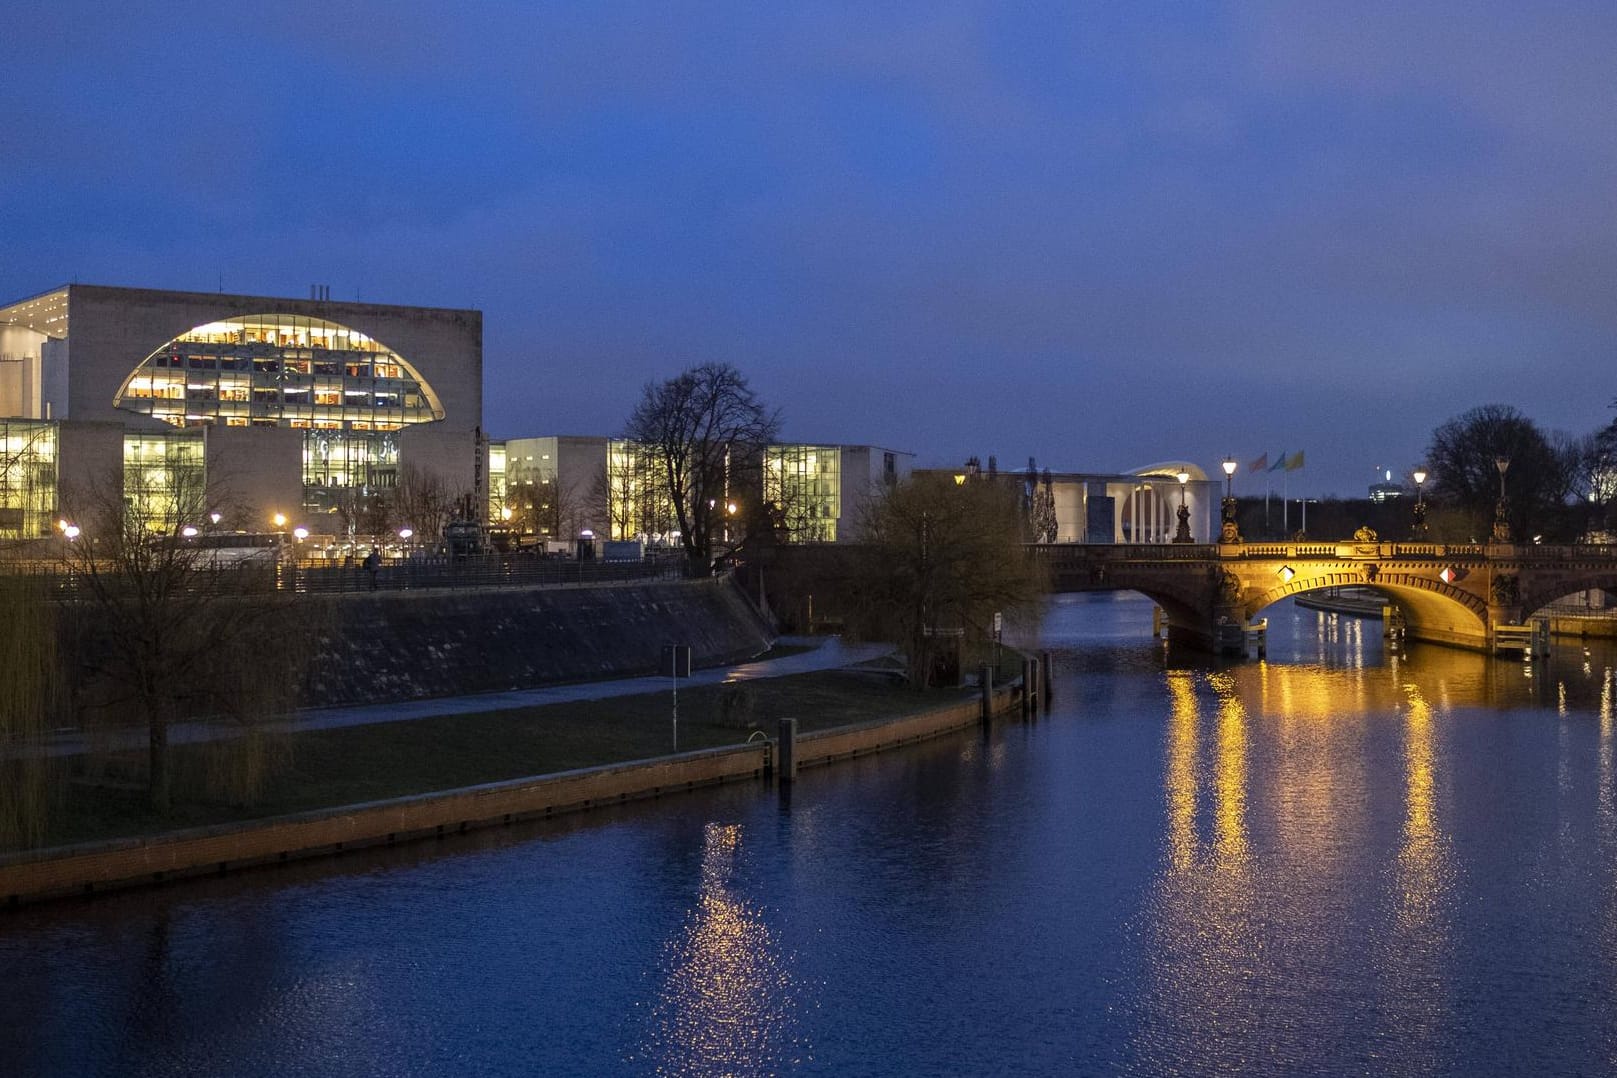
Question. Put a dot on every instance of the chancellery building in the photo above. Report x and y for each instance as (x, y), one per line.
(292, 409)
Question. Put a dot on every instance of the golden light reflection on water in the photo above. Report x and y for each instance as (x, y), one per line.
(1207, 937)
(728, 1004)
(1183, 718)
(1229, 785)
(1607, 810)
(1270, 779)
(1422, 868)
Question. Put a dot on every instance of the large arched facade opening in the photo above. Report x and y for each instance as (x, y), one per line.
(350, 393)
(279, 370)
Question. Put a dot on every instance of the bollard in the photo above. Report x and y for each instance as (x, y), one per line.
(786, 752)
(1044, 689)
(985, 678)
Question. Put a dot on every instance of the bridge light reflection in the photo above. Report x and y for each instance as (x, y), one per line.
(1229, 836)
(1183, 719)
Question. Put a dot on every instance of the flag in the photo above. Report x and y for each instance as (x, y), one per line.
(1295, 462)
(1279, 464)
(1259, 465)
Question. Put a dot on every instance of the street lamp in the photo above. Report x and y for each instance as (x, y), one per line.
(1419, 476)
(1501, 513)
(1182, 533)
(279, 520)
(1231, 532)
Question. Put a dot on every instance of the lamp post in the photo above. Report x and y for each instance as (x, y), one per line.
(1419, 530)
(1230, 532)
(1182, 534)
(1501, 512)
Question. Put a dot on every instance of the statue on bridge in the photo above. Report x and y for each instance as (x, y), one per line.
(1365, 534)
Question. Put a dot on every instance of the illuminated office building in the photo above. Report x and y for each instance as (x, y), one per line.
(307, 408)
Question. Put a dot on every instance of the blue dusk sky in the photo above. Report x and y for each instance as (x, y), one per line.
(1101, 235)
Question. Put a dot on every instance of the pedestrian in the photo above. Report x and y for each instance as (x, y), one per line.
(373, 565)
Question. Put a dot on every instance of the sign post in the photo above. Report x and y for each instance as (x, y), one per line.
(677, 662)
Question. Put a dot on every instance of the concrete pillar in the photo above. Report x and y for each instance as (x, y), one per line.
(786, 751)
(985, 679)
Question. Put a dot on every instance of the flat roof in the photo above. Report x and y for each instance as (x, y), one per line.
(47, 312)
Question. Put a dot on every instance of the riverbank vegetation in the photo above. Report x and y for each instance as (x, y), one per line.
(941, 561)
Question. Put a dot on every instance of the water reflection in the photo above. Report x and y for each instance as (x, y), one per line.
(728, 1003)
(1205, 920)
(1183, 718)
(1607, 809)
(1416, 954)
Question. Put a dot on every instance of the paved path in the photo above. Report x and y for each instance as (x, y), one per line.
(829, 653)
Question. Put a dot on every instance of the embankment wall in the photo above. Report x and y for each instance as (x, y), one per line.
(385, 646)
(92, 867)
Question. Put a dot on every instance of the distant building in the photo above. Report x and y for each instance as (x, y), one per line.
(1141, 506)
(310, 408)
(819, 491)
(560, 486)
(1386, 490)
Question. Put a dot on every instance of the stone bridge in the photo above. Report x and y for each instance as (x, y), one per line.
(1448, 594)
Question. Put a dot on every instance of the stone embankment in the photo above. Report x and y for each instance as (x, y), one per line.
(404, 645)
(94, 867)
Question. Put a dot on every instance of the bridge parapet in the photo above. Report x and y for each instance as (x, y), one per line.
(1351, 551)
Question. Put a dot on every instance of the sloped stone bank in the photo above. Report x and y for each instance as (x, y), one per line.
(377, 647)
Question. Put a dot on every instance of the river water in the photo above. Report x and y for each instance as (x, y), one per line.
(1338, 861)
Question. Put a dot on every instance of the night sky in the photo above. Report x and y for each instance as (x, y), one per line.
(1099, 235)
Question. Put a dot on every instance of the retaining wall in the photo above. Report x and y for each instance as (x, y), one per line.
(376, 647)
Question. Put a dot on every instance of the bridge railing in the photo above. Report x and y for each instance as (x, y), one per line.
(1582, 553)
(1136, 552)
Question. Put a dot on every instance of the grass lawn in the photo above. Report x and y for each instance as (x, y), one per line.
(365, 763)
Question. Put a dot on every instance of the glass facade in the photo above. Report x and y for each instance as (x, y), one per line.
(27, 478)
(279, 370)
(804, 483)
(347, 473)
(498, 510)
(637, 506)
(348, 392)
(165, 480)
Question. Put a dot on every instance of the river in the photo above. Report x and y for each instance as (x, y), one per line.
(1337, 861)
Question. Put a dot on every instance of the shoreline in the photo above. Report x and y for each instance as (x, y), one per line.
(96, 867)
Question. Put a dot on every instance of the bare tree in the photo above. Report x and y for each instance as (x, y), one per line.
(700, 428)
(29, 701)
(942, 556)
(421, 502)
(162, 629)
(1539, 477)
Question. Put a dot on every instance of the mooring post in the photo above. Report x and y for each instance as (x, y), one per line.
(786, 752)
(1044, 688)
(1030, 687)
(985, 679)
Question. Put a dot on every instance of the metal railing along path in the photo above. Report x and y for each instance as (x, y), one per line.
(69, 584)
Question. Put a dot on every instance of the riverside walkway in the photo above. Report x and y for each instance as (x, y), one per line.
(827, 653)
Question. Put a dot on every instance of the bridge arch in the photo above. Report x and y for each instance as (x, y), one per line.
(1433, 610)
(1540, 595)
